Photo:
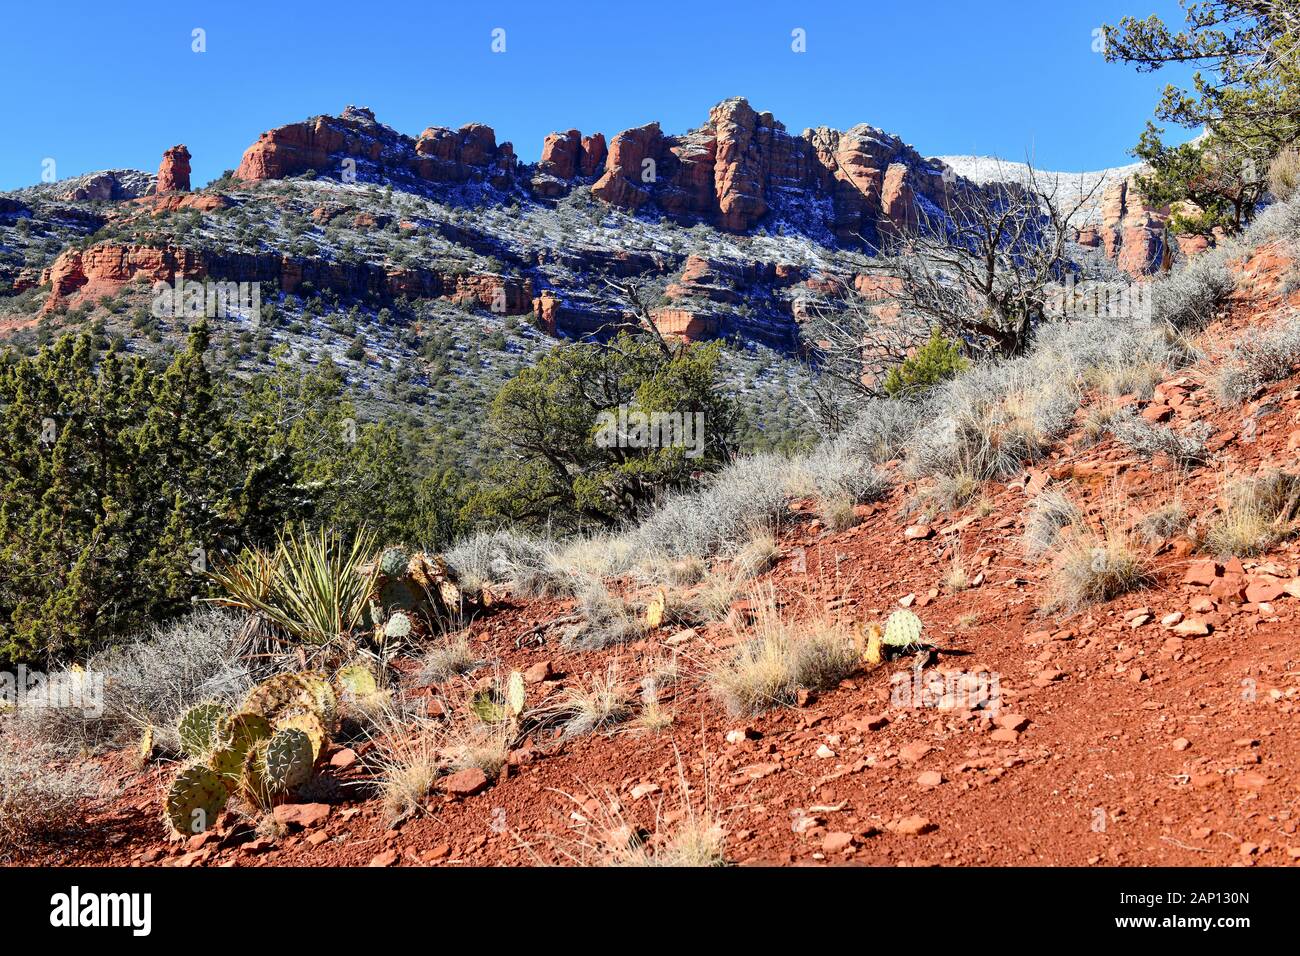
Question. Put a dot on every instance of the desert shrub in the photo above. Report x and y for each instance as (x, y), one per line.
(1149, 439)
(1281, 220)
(40, 796)
(151, 680)
(1257, 358)
(608, 619)
(1190, 297)
(938, 359)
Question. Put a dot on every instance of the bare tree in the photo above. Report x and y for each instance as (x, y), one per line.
(980, 269)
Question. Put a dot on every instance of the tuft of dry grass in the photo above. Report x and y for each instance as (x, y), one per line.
(956, 578)
(450, 657)
(1050, 511)
(407, 755)
(837, 512)
(473, 744)
(598, 702)
(1255, 515)
(758, 553)
(782, 658)
(609, 619)
(695, 838)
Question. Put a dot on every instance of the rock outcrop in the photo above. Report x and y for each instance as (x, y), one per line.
(174, 171)
(743, 165)
(1132, 230)
(103, 269)
(355, 144)
(566, 157)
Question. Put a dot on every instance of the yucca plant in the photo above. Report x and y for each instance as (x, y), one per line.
(312, 586)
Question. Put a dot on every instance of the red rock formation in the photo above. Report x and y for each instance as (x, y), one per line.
(547, 309)
(593, 154)
(684, 324)
(174, 171)
(104, 269)
(560, 154)
(1132, 231)
(325, 143)
(627, 177)
(898, 200)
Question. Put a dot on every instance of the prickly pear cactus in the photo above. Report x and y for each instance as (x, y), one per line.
(308, 690)
(903, 629)
(228, 764)
(393, 562)
(487, 708)
(310, 723)
(356, 681)
(198, 728)
(286, 760)
(145, 752)
(398, 626)
(515, 694)
(871, 654)
(195, 800)
(239, 732)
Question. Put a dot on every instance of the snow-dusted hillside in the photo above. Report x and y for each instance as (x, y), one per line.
(988, 169)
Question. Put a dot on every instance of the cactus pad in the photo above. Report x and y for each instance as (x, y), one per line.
(228, 764)
(393, 562)
(286, 760)
(356, 681)
(308, 690)
(309, 723)
(515, 694)
(198, 728)
(903, 629)
(195, 800)
(398, 626)
(239, 732)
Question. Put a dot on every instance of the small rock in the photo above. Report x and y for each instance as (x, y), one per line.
(644, 790)
(918, 532)
(1193, 627)
(837, 842)
(539, 673)
(913, 826)
(387, 858)
(466, 783)
(911, 753)
(343, 758)
(1004, 735)
(306, 816)
(931, 778)
(1182, 743)
(1172, 618)
(824, 752)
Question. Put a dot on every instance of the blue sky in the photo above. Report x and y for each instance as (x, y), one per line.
(96, 85)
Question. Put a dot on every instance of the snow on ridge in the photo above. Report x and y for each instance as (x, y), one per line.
(989, 169)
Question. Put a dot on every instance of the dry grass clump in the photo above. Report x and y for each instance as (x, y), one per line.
(1096, 567)
(1182, 448)
(696, 836)
(474, 744)
(957, 577)
(1164, 522)
(608, 618)
(837, 513)
(1117, 378)
(1255, 515)
(653, 716)
(782, 658)
(1050, 511)
(39, 799)
(409, 765)
(450, 657)
(1284, 174)
(597, 702)
(758, 554)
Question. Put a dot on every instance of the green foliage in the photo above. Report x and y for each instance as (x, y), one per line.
(1247, 101)
(553, 426)
(116, 484)
(936, 361)
(312, 587)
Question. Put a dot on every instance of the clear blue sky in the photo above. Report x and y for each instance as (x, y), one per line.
(99, 85)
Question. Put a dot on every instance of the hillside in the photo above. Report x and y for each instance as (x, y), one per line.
(1106, 671)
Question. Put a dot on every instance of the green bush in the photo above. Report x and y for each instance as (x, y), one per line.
(939, 359)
